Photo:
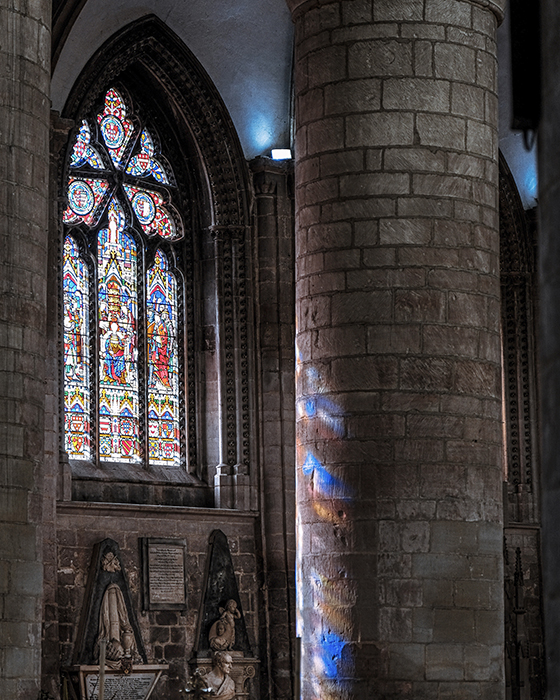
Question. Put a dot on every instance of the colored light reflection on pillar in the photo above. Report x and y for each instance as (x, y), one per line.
(324, 602)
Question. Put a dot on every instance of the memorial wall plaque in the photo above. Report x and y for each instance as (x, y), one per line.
(164, 574)
(136, 685)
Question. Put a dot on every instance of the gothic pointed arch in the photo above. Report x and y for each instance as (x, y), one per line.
(525, 653)
(178, 135)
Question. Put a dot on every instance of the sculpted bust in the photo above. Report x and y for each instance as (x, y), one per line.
(219, 679)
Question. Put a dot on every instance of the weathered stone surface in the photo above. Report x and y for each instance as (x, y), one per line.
(410, 317)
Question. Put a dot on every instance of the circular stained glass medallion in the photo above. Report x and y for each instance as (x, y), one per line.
(113, 131)
(80, 197)
(144, 207)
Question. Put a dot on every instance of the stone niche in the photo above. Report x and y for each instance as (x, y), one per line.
(109, 649)
(222, 638)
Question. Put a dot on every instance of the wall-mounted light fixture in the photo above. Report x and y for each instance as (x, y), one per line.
(281, 154)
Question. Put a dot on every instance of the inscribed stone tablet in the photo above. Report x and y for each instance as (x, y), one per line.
(133, 687)
(166, 573)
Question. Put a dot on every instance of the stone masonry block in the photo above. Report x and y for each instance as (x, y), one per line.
(342, 259)
(473, 38)
(366, 234)
(454, 626)
(452, 12)
(415, 537)
(405, 231)
(486, 70)
(19, 661)
(450, 340)
(468, 101)
(379, 58)
(371, 208)
(355, 96)
(361, 307)
(342, 162)
(376, 278)
(467, 309)
(422, 633)
(472, 594)
(465, 164)
(357, 12)
(327, 65)
(379, 129)
(403, 593)
(325, 135)
(321, 190)
(483, 663)
(444, 662)
(420, 305)
(419, 451)
(426, 206)
(442, 481)
(333, 342)
(436, 185)
(481, 138)
(359, 374)
(372, 184)
(426, 373)
(27, 577)
(441, 131)
(434, 426)
(414, 159)
(454, 62)
(407, 661)
(454, 537)
(417, 94)
(396, 11)
(394, 339)
(423, 59)
(395, 624)
(452, 234)
(478, 378)
(326, 282)
(309, 106)
(326, 16)
(13, 505)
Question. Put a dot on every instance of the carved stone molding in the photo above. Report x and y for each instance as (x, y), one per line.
(519, 294)
(175, 92)
(298, 6)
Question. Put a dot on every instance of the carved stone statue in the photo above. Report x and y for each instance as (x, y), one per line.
(219, 640)
(219, 679)
(114, 626)
(222, 632)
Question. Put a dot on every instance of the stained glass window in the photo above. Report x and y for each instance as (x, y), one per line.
(126, 394)
(75, 283)
(163, 379)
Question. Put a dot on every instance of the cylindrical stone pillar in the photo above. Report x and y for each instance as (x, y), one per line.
(24, 169)
(549, 335)
(399, 431)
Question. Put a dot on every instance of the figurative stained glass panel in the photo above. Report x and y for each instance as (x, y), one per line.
(76, 352)
(115, 126)
(144, 164)
(118, 341)
(118, 142)
(151, 213)
(163, 367)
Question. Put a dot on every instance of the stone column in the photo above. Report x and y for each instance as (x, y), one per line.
(274, 282)
(24, 168)
(549, 335)
(399, 434)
